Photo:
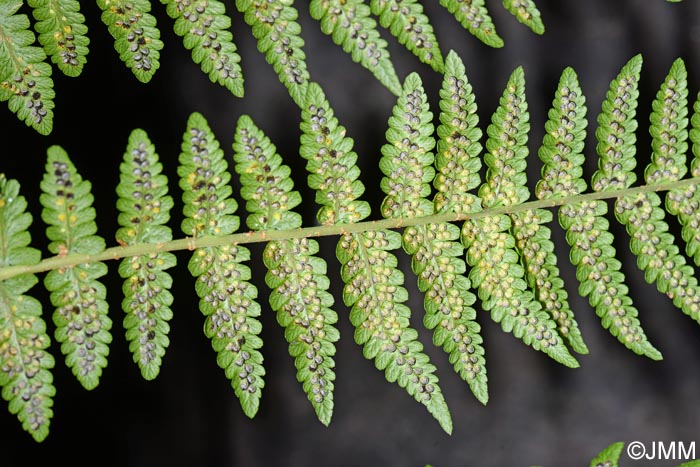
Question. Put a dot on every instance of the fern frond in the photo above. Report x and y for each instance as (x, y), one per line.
(587, 230)
(275, 27)
(565, 133)
(457, 165)
(295, 274)
(350, 25)
(686, 203)
(82, 323)
(437, 259)
(62, 33)
(407, 22)
(136, 36)
(506, 185)
(609, 456)
(642, 215)
(474, 17)
(373, 283)
(25, 376)
(615, 134)
(527, 13)
(669, 147)
(227, 298)
(491, 245)
(25, 77)
(144, 207)
(204, 27)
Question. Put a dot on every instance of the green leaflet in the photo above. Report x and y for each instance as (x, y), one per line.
(490, 241)
(82, 323)
(275, 27)
(669, 145)
(506, 185)
(457, 165)
(227, 296)
(144, 210)
(136, 36)
(295, 274)
(25, 376)
(373, 283)
(407, 22)
(685, 203)
(350, 25)
(642, 215)
(25, 77)
(609, 456)
(587, 230)
(436, 257)
(62, 33)
(616, 131)
(527, 13)
(474, 17)
(204, 27)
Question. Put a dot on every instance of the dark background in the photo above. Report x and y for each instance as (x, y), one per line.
(539, 412)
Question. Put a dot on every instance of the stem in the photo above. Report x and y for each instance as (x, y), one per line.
(192, 243)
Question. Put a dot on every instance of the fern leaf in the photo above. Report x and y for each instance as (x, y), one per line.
(609, 456)
(474, 17)
(350, 25)
(437, 255)
(62, 33)
(527, 13)
(669, 146)
(227, 298)
(25, 376)
(82, 323)
(373, 283)
(457, 165)
(491, 245)
(136, 36)
(295, 274)
(204, 27)
(275, 27)
(144, 208)
(25, 77)
(407, 22)
(686, 203)
(506, 185)
(641, 213)
(587, 230)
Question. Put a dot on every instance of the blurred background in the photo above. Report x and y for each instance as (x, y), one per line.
(539, 412)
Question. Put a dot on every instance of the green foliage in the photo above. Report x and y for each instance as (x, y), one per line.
(62, 33)
(437, 255)
(406, 20)
(489, 240)
(82, 324)
(279, 38)
(609, 456)
(474, 17)
(227, 299)
(144, 209)
(373, 283)
(295, 274)
(527, 13)
(685, 203)
(25, 377)
(587, 230)
(25, 77)
(350, 25)
(204, 28)
(657, 255)
(136, 36)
